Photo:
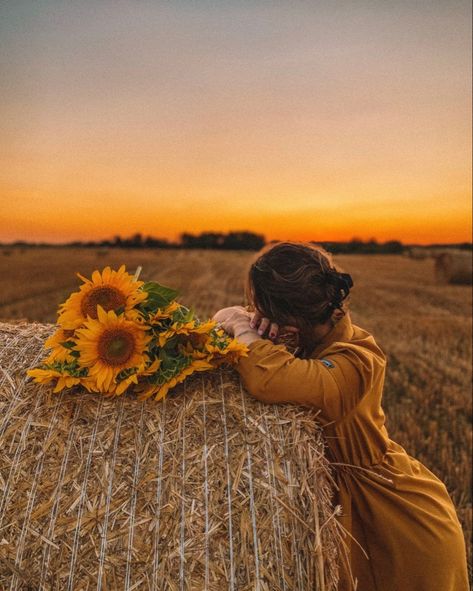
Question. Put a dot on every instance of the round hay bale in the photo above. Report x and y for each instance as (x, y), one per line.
(418, 253)
(209, 489)
(454, 267)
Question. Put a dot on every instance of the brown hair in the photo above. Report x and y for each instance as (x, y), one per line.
(291, 283)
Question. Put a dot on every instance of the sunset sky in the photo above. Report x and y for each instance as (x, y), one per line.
(316, 120)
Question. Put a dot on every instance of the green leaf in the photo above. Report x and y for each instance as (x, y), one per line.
(166, 360)
(189, 315)
(68, 344)
(162, 292)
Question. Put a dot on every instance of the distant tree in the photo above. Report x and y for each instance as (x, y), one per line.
(458, 245)
(186, 240)
(202, 240)
(239, 240)
(355, 245)
(372, 246)
(136, 241)
(358, 246)
(211, 239)
(393, 247)
(243, 241)
(152, 242)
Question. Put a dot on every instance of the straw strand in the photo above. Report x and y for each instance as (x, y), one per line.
(15, 464)
(32, 494)
(18, 390)
(136, 470)
(229, 494)
(287, 473)
(57, 494)
(103, 537)
(206, 489)
(252, 497)
(159, 497)
(183, 499)
(275, 508)
(75, 544)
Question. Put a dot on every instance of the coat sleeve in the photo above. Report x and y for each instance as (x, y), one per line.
(333, 383)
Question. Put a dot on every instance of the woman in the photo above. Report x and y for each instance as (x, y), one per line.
(408, 536)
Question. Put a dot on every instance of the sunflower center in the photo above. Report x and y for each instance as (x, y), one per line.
(198, 340)
(116, 346)
(108, 297)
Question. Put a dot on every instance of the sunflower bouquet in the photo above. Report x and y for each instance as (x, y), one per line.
(119, 334)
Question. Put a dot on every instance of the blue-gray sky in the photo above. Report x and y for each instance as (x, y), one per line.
(303, 120)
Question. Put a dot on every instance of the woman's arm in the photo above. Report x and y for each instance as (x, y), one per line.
(273, 375)
(334, 384)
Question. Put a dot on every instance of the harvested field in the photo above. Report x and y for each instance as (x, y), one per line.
(424, 326)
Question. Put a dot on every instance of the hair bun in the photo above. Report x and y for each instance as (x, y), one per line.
(343, 282)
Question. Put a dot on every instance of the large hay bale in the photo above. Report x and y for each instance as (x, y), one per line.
(210, 489)
(418, 252)
(454, 267)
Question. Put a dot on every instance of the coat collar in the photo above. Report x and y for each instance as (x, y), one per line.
(342, 331)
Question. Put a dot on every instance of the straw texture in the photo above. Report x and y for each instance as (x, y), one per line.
(209, 489)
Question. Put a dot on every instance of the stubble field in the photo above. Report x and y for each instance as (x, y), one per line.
(424, 328)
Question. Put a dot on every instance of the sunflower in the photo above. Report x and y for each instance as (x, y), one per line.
(160, 390)
(163, 313)
(64, 380)
(194, 345)
(186, 328)
(110, 344)
(55, 342)
(230, 353)
(133, 378)
(112, 290)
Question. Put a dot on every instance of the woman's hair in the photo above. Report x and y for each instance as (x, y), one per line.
(295, 283)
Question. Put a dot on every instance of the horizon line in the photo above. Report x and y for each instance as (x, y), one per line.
(170, 242)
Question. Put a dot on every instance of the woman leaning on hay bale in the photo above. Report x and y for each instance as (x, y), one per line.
(407, 533)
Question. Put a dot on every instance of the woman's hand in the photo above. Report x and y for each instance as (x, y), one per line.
(235, 320)
(275, 330)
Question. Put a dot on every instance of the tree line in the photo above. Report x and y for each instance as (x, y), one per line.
(235, 240)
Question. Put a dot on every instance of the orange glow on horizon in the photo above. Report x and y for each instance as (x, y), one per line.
(427, 223)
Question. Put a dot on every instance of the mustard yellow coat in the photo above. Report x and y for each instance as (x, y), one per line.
(397, 509)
